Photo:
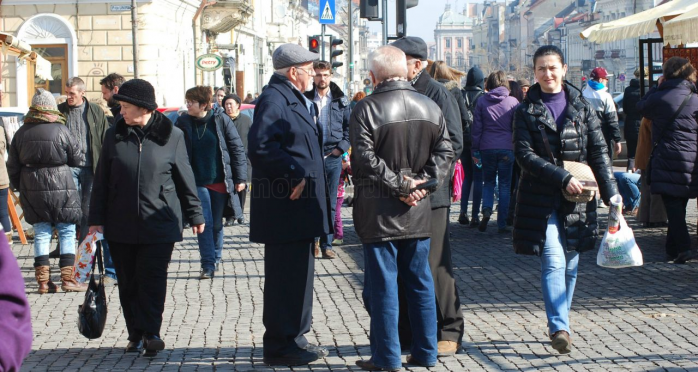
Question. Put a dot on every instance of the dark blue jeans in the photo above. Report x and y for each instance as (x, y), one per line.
(497, 166)
(383, 261)
(83, 177)
(472, 180)
(333, 169)
(629, 189)
(211, 240)
(4, 213)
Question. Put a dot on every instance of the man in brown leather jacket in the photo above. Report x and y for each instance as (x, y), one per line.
(399, 142)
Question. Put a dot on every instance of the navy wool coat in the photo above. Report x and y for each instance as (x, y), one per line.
(284, 148)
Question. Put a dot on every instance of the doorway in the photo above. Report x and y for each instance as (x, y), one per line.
(57, 55)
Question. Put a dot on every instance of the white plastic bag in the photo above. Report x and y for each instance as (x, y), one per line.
(85, 257)
(618, 249)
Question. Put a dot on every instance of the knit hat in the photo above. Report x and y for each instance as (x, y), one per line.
(599, 73)
(287, 55)
(137, 92)
(43, 99)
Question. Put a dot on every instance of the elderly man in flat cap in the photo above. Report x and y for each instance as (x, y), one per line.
(290, 203)
(449, 315)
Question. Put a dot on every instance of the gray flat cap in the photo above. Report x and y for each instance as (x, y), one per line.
(288, 55)
(412, 46)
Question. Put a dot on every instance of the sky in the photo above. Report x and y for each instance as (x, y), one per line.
(421, 20)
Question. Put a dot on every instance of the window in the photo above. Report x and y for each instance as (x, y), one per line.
(448, 42)
(459, 42)
(448, 60)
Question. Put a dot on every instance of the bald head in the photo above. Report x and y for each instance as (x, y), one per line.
(387, 62)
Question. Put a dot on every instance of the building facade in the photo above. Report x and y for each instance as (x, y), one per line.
(453, 37)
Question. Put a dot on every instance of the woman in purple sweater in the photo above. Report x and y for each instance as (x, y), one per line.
(492, 141)
(15, 317)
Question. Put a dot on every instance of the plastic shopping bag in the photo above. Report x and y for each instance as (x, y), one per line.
(85, 257)
(618, 247)
(458, 176)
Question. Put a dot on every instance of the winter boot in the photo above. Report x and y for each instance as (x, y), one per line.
(68, 282)
(43, 278)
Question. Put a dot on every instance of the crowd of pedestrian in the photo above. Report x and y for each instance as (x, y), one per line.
(138, 178)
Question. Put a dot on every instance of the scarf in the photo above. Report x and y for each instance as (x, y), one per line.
(414, 80)
(41, 115)
(595, 85)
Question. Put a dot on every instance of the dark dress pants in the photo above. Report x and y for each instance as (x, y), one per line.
(141, 270)
(242, 197)
(449, 316)
(289, 271)
(678, 239)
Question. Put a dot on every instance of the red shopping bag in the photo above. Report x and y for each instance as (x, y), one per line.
(458, 176)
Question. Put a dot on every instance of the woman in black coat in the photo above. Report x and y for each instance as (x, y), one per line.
(631, 129)
(231, 105)
(546, 224)
(142, 185)
(219, 164)
(673, 172)
(40, 157)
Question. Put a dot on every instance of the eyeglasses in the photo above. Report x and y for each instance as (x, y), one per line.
(306, 71)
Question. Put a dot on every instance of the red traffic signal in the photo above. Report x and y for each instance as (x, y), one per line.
(314, 44)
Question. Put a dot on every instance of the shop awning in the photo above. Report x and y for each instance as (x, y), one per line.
(14, 47)
(638, 24)
(682, 29)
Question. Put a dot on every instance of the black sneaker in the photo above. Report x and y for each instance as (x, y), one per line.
(463, 219)
(206, 274)
(486, 213)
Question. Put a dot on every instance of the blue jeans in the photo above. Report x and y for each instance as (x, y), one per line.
(211, 240)
(42, 237)
(558, 277)
(4, 213)
(629, 188)
(83, 177)
(333, 169)
(383, 261)
(472, 180)
(497, 166)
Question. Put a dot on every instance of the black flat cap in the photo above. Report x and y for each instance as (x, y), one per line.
(412, 46)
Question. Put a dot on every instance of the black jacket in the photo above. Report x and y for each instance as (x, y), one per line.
(438, 93)
(97, 124)
(285, 148)
(631, 96)
(38, 165)
(339, 119)
(674, 164)
(243, 124)
(542, 181)
(395, 132)
(232, 151)
(142, 187)
(116, 115)
(466, 117)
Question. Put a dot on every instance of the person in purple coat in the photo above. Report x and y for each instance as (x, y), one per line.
(15, 316)
(492, 144)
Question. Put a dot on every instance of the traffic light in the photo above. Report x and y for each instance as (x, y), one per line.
(314, 44)
(401, 15)
(335, 52)
(368, 9)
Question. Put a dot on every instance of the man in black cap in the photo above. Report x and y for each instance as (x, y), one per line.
(289, 204)
(449, 315)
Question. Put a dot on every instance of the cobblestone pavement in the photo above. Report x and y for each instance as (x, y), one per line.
(640, 319)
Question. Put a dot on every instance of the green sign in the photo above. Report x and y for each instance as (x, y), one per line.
(209, 62)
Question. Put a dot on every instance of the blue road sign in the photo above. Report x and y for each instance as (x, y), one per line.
(328, 12)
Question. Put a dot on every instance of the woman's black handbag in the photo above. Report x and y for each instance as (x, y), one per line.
(93, 311)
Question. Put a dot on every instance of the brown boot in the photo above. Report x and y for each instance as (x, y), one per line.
(69, 284)
(43, 277)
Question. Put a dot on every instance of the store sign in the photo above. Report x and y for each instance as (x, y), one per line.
(209, 62)
(120, 8)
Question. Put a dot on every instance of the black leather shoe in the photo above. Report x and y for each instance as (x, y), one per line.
(134, 346)
(153, 343)
(486, 213)
(241, 220)
(229, 222)
(297, 358)
(206, 274)
(685, 256)
(463, 219)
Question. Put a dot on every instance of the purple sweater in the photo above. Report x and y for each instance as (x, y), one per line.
(493, 117)
(556, 103)
(15, 316)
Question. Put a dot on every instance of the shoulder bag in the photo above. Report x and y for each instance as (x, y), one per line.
(92, 314)
(580, 171)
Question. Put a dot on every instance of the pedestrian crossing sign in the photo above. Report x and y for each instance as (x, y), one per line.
(327, 12)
